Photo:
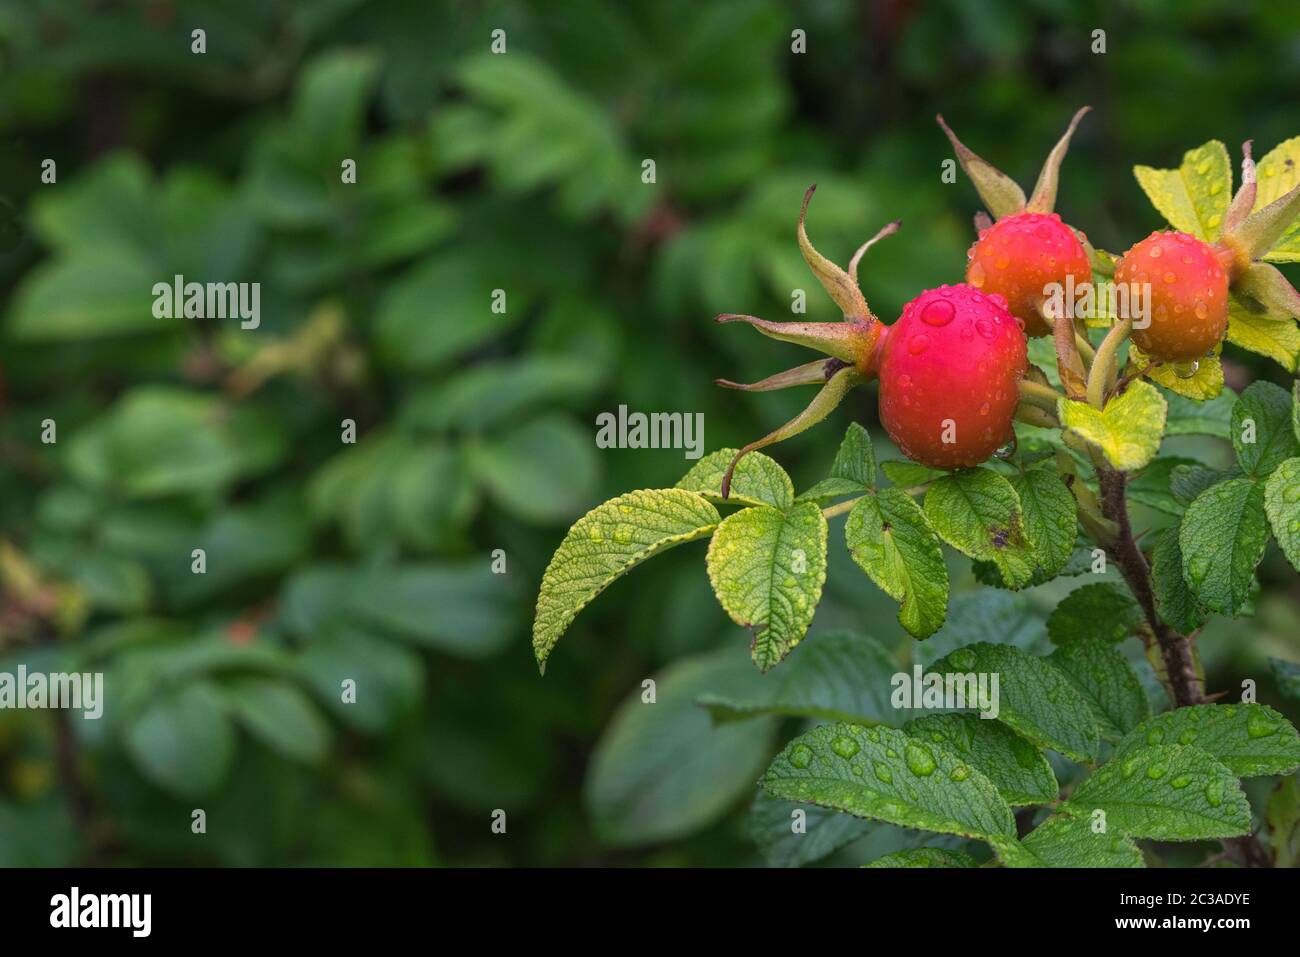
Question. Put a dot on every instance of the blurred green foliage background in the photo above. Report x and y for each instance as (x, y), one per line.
(372, 561)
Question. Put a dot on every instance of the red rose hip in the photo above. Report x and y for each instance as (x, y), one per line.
(1186, 286)
(1020, 256)
(949, 377)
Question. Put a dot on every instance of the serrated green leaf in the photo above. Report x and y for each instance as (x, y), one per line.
(887, 775)
(1195, 196)
(758, 480)
(1033, 697)
(1166, 793)
(606, 543)
(977, 512)
(1282, 504)
(1190, 417)
(832, 676)
(889, 538)
(1019, 771)
(1222, 539)
(1106, 682)
(1128, 431)
(1273, 335)
(767, 568)
(1064, 841)
(1177, 605)
(924, 857)
(1049, 513)
(1205, 381)
(853, 471)
(1261, 429)
(820, 831)
(1103, 610)
(1249, 739)
(1276, 174)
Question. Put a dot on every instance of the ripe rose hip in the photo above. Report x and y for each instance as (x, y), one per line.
(949, 377)
(1188, 289)
(1021, 255)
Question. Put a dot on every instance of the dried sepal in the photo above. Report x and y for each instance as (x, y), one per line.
(998, 190)
(1043, 199)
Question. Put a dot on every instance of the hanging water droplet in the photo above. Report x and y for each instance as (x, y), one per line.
(1185, 370)
(1007, 450)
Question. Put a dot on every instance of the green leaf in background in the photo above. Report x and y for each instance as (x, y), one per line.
(388, 676)
(1177, 605)
(1283, 816)
(887, 775)
(767, 568)
(977, 512)
(662, 770)
(1019, 771)
(758, 480)
(1033, 697)
(280, 716)
(890, 539)
(1263, 415)
(1164, 792)
(1222, 539)
(476, 608)
(1249, 739)
(1151, 486)
(1194, 197)
(789, 834)
(1287, 676)
(544, 470)
(87, 294)
(1106, 682)
(1104, 610)
(1190, 417)
(1048, 510)
(924, 857)
(1064, 841)
(854, 470)
(1127, 432)
(833, 676)
(495, 393)
(605, 544)
(997, 617)
(183, 741)
(160, 441)
(905, 474)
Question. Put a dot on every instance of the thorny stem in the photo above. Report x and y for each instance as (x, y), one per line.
(1175, 649)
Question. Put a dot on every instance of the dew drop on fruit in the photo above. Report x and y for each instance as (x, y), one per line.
(1170, 277)
(918, 344)
(1001, 262)
(1185, 370)
(985, 328)
(1201, 310)
(976, 275)
(938, 312)
(1155, 252)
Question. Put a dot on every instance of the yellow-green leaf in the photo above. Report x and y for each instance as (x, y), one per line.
(1201, 380)
(1195, 196)
(1275, 336)
(1127, 432)
(606, 543)
(1277, 174)
(767, 567)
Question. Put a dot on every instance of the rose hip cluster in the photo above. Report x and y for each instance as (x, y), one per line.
(951, 367)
